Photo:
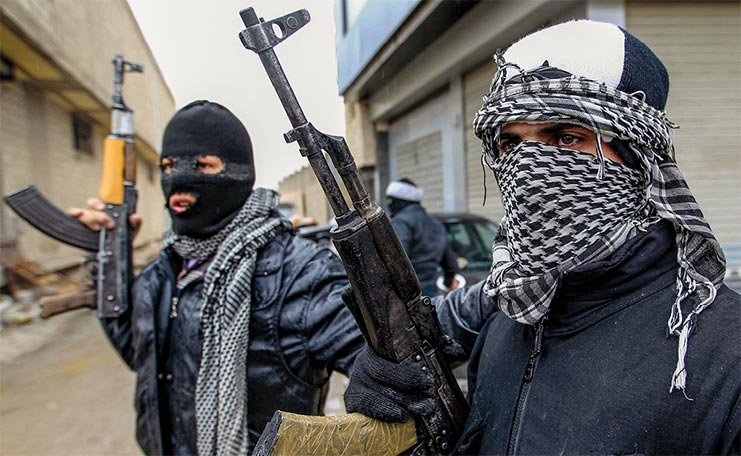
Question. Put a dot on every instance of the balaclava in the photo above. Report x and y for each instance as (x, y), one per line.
(402, 193)
(198, 129)
(565, 208)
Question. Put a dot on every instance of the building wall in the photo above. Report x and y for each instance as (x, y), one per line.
(81, 38)
(302, 191)
(700, 43)
(63, 53)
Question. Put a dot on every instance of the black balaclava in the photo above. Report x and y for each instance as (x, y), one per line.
(198, 129)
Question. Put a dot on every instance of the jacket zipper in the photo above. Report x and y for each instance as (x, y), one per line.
(174, 306)
(529, 371)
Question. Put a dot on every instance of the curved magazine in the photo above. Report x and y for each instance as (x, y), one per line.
(38, 211)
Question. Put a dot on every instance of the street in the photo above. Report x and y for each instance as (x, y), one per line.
(69, 394)
(65, 391)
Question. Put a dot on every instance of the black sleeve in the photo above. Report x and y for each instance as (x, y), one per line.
(404, 232)
(463, 312)
(449, 263)
(331, 335)
(118, 329)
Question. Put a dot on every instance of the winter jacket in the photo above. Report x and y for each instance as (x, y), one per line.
(426, 243)
(597, 380)
(299, 331)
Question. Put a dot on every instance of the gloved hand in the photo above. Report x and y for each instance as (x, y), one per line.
(454, 352)
(388, 391)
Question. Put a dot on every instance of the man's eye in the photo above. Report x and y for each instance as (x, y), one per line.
(209, 165)
(506, 146)
(568, 140)
(166, 167)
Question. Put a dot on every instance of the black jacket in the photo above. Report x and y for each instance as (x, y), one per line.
(426, 243)
(299, 332)
(600, 382)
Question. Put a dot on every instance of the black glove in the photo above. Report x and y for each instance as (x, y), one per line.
(388, 391)
(454, 352)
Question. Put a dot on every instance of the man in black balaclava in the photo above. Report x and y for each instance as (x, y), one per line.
(207, 168)
(233, 282)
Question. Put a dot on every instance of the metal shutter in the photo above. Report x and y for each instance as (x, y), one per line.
(475, 85)
(421, 161)
(700, 44)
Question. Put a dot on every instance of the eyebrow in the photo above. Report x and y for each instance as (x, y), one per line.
(561, 126)
(508, 136)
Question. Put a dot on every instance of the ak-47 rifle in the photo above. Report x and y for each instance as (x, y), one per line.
(399, 323)
(117, 191)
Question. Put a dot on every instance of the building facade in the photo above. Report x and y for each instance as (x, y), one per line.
(413, 74)
(55, 96)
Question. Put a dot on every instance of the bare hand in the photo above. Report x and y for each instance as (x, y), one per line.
(95, 218)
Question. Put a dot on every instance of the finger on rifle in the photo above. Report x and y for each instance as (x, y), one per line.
(95, 204)
(135, 220)
(95, 220)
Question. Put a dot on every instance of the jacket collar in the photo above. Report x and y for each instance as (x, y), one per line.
(645, 264)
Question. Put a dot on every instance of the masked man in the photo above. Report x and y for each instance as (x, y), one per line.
(237, 317)
(424, 238)
(615, 333)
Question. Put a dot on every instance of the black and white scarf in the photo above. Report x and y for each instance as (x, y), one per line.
(221, 386)
(526, 294)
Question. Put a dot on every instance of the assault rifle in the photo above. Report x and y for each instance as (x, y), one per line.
(117, 190)
(399, 323)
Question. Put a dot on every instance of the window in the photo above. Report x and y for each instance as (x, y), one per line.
(82, 134)
(6, 69)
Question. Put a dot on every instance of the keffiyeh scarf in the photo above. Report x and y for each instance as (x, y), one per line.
(221, 386)
(531, 253)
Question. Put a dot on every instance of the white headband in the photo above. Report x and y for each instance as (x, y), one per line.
(404, 191)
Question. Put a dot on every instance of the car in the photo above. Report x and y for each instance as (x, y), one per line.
(471, 237)
(317, 233)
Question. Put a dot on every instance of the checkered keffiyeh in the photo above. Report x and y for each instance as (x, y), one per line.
(525, 292)
(221, 386)
(559, 214)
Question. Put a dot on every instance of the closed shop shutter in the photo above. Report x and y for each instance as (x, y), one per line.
(421, 161)
(700, 44)
(475, 85)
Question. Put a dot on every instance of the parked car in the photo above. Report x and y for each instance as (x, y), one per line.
(471, 237)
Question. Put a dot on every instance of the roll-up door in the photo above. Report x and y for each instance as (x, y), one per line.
(700, 44)
(420, 161)
(475, 85)
(416, 143)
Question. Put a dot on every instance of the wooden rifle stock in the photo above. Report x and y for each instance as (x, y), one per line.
(54, 305)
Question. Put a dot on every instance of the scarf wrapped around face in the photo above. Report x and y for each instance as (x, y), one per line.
(585, 184)
(221, 386)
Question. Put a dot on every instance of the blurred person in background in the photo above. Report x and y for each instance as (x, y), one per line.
(424, 238)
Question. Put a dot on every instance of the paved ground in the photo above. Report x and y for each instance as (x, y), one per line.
(64, 391)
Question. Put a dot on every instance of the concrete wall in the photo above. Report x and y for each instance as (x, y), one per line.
(62, 52)
(302, 191)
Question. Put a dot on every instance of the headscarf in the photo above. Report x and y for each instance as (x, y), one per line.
(534, 96)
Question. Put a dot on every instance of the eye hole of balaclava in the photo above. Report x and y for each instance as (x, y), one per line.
(209, 199)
